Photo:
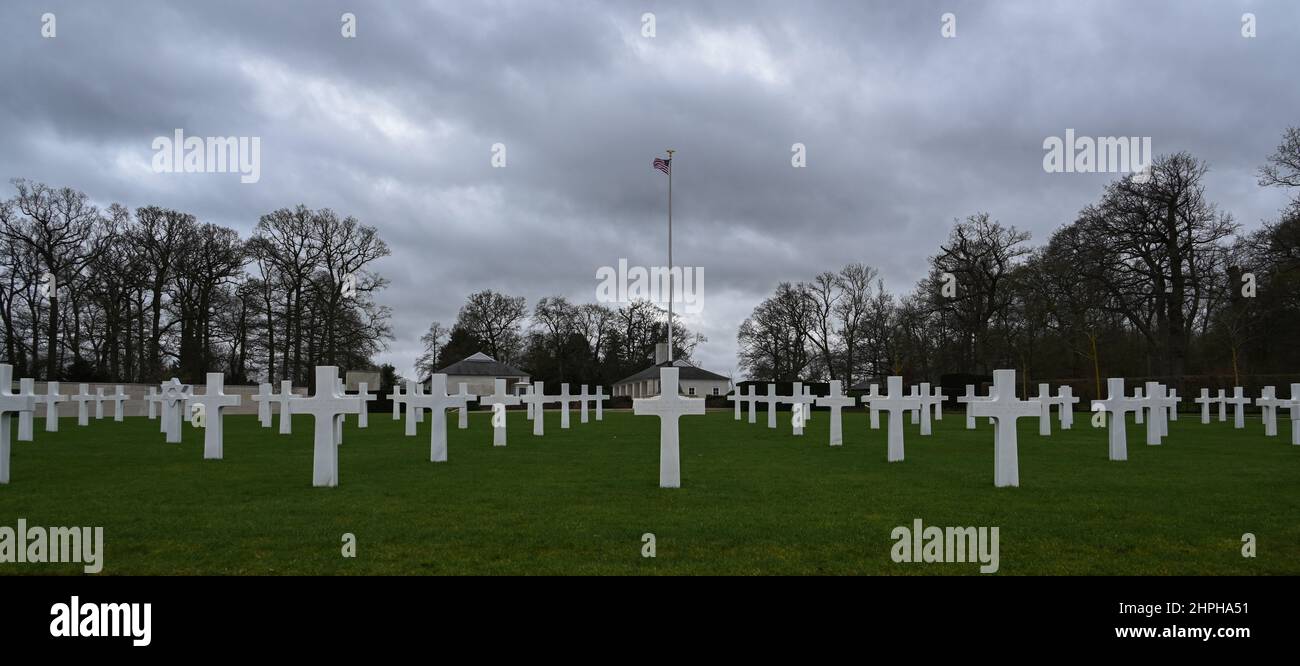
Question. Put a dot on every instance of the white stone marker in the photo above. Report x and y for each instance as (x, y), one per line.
(26, 389)
(118, 399)
(737, 397)
(915, 392)
(324, 407)
(52, 400)
(462, 413)
(437, 402)
(396, 397)
(419, 390)
(85, 396)
(340, 391)
(600, 397)
(1118, 405)
(923, 395)
(771, 400)
(99, 403)
(528, 404)
(1168, 405)
(1003, 406)
(937, 400)
(895, 403)
(968, 398)
(669, 405)
(1222, 400)
(1044, 398)
(1155, 408)
(807, 393)
(799, 406)
(284, 397)
(263, 400)
(10, 403)
(537, 400)
(174, 396)
(565, 399)
(1294, 406)
(499, 397)
(873, 416)
(1174, 400)
(411, 409)
(1238, 402)
(212, 402)
(1140, 415)
(747, 397)
(152, 398)
(1066, 398)
(836, 401)
(1268, 404)
(583, 399)
(1205, 401)
(363, 392)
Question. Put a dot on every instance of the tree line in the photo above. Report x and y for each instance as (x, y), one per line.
(139, 296)
(1152, 279)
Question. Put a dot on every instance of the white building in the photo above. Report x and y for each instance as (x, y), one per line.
(692, 381)
(481, 371)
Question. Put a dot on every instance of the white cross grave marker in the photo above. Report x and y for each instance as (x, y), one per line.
(1153, 404)
(923, 395)
(1006, 408)
(26, 389)
(1238, 402)
(412, 390)
(174, 396)
(1117, 404)
(396, 397)
(85, 396)
(462, 413)
(99, 403)
(263, 400)
(499, 397)
(363, 392)
(915, 392)
(152, 398)
(1205, 401)
(212, 402)
(669, 406)
(1139, 416)
(537, 399)
(936, 400)
(771, 399)
(528, 404)
(737, 397)
(600, 397)
(1222, 399)
(284, 397)
(118, 399)
(1066, 398)
(9, 403)
(799, 408)
(564, 400)
(895, 403)
(52, 400)
(437, 401)
(1174, 400)
(1268, 404)
(873, 392)
(1045, 399)
(1294, 406)
(583, 399)
(836, 401)
(324, 407)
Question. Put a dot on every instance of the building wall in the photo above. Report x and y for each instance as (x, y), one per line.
(481, 385)
(135, 404)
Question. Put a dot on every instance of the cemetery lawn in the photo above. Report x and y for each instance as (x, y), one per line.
(753, 500)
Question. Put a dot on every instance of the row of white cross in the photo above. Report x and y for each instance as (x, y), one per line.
(1158, 405)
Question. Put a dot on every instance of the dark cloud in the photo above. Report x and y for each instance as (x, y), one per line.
(905, 130)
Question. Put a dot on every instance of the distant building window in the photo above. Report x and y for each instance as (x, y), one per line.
(692, 390)
(715, 390)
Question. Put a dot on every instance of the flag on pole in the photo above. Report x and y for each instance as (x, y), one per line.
(663, 164)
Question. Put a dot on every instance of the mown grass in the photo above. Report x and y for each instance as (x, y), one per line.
(753, 500)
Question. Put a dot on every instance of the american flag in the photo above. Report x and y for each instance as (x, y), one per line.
(663, 165)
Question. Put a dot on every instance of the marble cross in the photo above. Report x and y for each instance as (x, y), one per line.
(810, 399)
(1168, 406)
(26, 389)
(1222, 399)
(737, 397)
(396, 397)
(263, 400)
(462, 412)
(284, 397)
(152, 398)
(564, 399)
(9, 403)
(915, 392)
(600, 397)
(212, 402)
(923, 395)
(412, 390)
(771, 399)
(499, 397)
(1205, 401)
(836, 401)
(528, 404)
(799, 404)
(873, 392)
(1066, 398)
(1003, 406)
(52, 400)
(1155, 411)
(1268, 404)
(537, 399)
(745, 395)
(174, 396)
(583, 399)
(669, 406)
(419, 390)
(1174, 400)
(85, 396)
(363, 392)
(99, 403)
(895, 403)
(1294, 406)
(1139, 415)
(1045, 399)
(437, 401)
(1118, 405)
(1238, 402)
(324, 407)
(936, 399)
(118, 399)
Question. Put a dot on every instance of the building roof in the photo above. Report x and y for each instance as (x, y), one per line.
(686, 372)
(482, 365)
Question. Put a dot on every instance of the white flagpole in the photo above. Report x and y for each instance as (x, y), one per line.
(670, 255)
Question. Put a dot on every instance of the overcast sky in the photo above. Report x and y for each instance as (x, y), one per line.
(905, 130)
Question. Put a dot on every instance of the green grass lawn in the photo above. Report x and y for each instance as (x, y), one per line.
(753, 500)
